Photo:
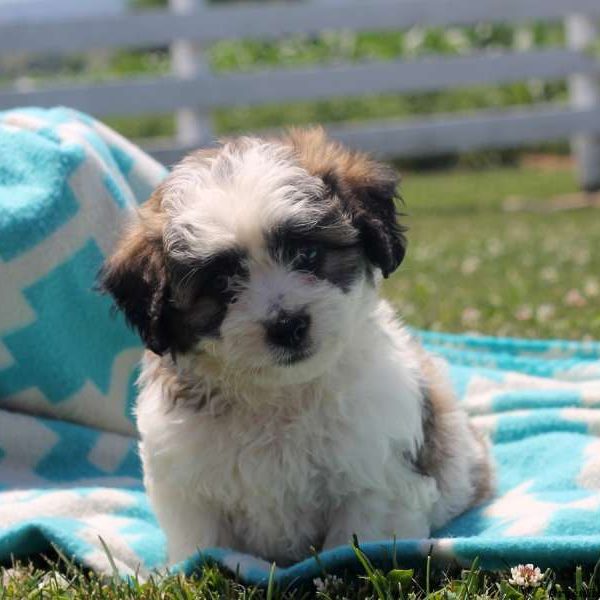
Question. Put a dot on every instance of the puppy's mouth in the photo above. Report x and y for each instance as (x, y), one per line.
(288, 358)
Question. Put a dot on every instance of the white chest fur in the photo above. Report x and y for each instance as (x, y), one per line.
(275, 474)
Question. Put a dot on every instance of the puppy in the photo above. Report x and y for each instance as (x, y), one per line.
(282, 405)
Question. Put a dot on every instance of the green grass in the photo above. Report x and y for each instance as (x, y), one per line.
(470, 266)
(62, 581)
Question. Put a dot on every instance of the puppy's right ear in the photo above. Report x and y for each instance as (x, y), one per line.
(135, 276)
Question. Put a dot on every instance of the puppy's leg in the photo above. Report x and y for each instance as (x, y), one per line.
(373, 518)
(188, 526)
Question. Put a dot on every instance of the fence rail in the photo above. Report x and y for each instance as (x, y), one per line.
(206, 90)
(264, 21)
(446, 133)
(191, 25)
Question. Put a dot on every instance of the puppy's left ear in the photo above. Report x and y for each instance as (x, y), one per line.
(366, 189)
(369, 192)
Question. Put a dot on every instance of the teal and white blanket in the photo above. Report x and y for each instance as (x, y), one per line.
(69, 473)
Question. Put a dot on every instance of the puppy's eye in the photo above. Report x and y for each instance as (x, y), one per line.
(220, 284)
(307, 258)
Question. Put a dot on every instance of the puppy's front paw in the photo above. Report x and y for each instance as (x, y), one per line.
(371, 518)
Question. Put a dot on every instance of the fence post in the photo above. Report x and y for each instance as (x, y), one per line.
(193, 127)
(584, 92)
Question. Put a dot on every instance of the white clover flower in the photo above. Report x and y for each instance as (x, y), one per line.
(526, 576)
(470, 265)
(591, 288)
(470, 316)
(574, 298)
(524, 313)
(53, 582)
(328, 583)
(544, 312)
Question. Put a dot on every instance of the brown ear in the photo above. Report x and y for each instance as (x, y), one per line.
(135, 277)
(366, 188)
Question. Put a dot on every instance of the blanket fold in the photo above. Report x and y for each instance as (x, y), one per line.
(69, 471)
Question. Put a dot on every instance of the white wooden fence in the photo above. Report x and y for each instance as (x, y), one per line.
(193, 91)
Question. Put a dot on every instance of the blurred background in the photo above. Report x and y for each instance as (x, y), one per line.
(489, 108)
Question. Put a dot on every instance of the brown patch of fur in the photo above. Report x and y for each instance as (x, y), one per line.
(367, 190)
(143, 232)
(482, 474)
(321, 156)
(438, 448)
(135, 275)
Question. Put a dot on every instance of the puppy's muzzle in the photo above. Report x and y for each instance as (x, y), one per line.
(288, 331)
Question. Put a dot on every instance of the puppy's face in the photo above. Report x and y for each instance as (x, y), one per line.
(260, 256)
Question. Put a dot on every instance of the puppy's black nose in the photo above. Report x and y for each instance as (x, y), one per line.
(288, 331)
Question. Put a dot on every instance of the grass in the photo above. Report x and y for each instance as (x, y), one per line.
(62, 580)
(472, 266)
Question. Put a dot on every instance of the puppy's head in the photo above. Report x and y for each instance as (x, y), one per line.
(259, 256)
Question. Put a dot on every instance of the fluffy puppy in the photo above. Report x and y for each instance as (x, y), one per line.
(282, 405)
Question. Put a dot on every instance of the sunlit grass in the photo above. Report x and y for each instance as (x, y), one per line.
(61, 581)
(472, 266)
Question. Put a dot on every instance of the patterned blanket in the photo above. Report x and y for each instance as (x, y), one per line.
(69, 473)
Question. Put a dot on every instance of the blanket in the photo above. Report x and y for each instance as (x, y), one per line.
(69, 471)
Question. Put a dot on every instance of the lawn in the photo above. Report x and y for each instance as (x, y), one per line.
(471, 266)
